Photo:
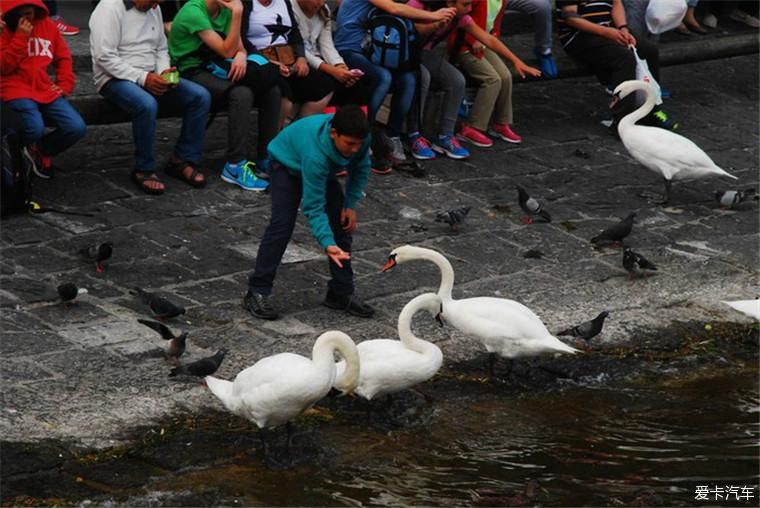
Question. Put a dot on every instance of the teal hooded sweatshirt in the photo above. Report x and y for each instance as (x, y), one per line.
(307, 150)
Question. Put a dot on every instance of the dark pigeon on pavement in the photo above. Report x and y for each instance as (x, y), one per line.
(636, 264)
(68, 291)
(162, 308)
(98, 253)
(732, 198)
(176, 346)
(616, 233)
(533, 208)
(200, 368)
(588, 329)
(453, 217)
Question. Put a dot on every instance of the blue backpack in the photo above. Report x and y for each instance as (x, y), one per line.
(393, 41)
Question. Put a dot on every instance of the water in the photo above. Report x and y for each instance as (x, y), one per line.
(650, 442)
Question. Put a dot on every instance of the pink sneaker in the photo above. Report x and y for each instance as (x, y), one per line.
(474, 136)
(503, 131)
(64, 27)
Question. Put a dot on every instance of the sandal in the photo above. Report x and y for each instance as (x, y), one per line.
(178, 169)
(146, 181)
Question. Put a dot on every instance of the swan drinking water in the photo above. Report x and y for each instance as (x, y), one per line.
(662, 151)
(505, 327)
(280, 387)
(390, 366)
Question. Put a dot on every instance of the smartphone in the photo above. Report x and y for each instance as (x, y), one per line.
(357, 72)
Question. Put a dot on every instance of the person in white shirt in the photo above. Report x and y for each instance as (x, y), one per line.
(131, 69)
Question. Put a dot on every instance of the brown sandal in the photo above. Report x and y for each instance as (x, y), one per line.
(146, 181)
(178, 169)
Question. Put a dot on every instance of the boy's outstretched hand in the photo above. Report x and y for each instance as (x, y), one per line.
(348, 220)
(336, 254)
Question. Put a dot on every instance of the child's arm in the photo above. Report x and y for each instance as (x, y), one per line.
(15, 47)
(64, 68)
(494, 44)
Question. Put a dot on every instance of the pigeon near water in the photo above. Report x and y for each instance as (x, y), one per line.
(588, 329)
(616, 233)
(176, 343)
(200, 368)
(453, 217)
(636, 264)
(98, 253)
(732, 198)
(533, 208)
(68, 291)
(162, 308)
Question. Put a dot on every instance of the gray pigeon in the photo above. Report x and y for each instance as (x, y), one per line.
(731, 198)
(616, 233)
(589, 329)
(97, 253)
(453, 217)
(635, 263)
(68, 291)
(200, 368)
(176, 343)
(161, 307)
(532, 207)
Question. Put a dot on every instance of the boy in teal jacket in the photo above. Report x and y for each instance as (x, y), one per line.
(306, 158)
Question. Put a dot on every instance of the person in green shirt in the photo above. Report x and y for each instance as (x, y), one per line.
(205, 45)
(306, 158)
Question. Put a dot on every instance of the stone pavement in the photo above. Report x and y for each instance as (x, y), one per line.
(88, 372)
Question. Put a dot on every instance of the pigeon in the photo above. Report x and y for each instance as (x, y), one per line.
(453, 217)
(69, 291)
(615, 233)
(634, 263)
(200, 368)
(98, 253)
(176, 346)
(589, 329)
(533, 208)
(731, 198)
(161, 307)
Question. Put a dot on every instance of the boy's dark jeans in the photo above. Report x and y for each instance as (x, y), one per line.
(285, 190)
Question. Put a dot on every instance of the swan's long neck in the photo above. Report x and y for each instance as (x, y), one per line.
(643, 110)
(322, 355)
(223, 390)
(405, 333)
(447, 272)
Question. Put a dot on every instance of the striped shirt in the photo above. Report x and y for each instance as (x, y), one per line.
(597, 11)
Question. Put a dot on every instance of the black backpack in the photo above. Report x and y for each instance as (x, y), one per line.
(16, 181)
(393, 41)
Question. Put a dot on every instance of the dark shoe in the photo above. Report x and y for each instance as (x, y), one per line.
(260, 306)
(350, 303)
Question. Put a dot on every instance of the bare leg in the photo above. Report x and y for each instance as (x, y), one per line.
(316, 107)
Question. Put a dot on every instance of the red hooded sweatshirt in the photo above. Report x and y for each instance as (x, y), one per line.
(479, 14)
(24, 58)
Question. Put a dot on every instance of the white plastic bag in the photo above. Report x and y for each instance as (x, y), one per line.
(664, 15)
(643, 74)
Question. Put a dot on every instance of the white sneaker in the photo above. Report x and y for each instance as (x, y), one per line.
(398, 149)
(710, 21)
(743, 17)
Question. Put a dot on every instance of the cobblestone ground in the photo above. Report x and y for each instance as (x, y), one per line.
(87, 371)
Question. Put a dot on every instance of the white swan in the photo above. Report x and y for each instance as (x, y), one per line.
(390, 366)
(662, 151)
(504, 326)
(749, 307)
(280, 387)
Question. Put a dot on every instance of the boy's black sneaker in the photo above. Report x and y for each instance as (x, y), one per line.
(659, 118)
(260, 306)
(350, 303)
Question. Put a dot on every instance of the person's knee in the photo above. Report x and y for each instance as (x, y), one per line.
(491, 80)
(240, 97)
(146, 106)
(33, 130)
(201, 98)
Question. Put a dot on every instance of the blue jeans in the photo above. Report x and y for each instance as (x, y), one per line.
(29, 118)
(188, 98)
(382, 81)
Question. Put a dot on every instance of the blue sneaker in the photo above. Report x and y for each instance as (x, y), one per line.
(241, 174)
(665, 93)
(261, 169)
(450, 146)
(547, 65)
(420, 148)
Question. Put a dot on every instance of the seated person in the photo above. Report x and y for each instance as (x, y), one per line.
(131, 68)
(204, 43)
(30, 99)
